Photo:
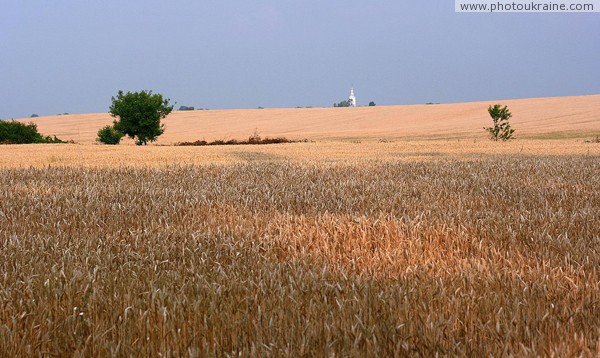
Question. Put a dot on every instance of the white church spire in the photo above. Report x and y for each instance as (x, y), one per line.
(352, 98)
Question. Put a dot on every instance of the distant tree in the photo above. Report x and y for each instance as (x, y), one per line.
(139, 115)
(501, 129)
(109, 135)
(34, 116)
(372, 104)
(186, 108)
(346, 103)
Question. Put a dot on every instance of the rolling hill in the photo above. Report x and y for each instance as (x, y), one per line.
(555, 117)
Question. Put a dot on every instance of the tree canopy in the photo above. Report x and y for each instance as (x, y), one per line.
(346, 103)
(139, 115)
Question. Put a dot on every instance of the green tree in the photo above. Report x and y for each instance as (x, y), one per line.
(346, 103)
(501, 129)
(371, 104)
(109, 135)
(139, 115)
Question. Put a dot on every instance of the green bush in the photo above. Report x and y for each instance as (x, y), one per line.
(346, 103)
(501, 129)
(109, 135)
(53, 139)
(13, 132)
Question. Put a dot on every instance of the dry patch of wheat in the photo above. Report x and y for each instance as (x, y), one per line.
(472, 257)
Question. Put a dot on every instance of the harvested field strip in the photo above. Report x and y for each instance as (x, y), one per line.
(471, 257)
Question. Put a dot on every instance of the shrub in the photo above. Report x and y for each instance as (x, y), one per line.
(254, 139)
(501, 129)
(53, 139)
(13, 132)
(346, 103)
(109, 135)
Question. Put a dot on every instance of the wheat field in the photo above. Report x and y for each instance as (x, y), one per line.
(372, 243)
(534, 118)
(348, 151)
(474, 255)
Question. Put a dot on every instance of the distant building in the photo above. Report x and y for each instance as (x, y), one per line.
(352, 98)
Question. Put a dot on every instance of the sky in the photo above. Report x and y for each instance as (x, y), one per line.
(68, 56)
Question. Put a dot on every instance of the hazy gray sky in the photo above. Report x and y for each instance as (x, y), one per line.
(72, 56)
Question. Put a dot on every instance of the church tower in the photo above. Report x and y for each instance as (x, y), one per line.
(352, 98)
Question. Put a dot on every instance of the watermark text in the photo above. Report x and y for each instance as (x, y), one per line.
(527, 6)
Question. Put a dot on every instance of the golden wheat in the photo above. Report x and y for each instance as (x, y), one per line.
(556, 117)
(44, 155)
(483, 255)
